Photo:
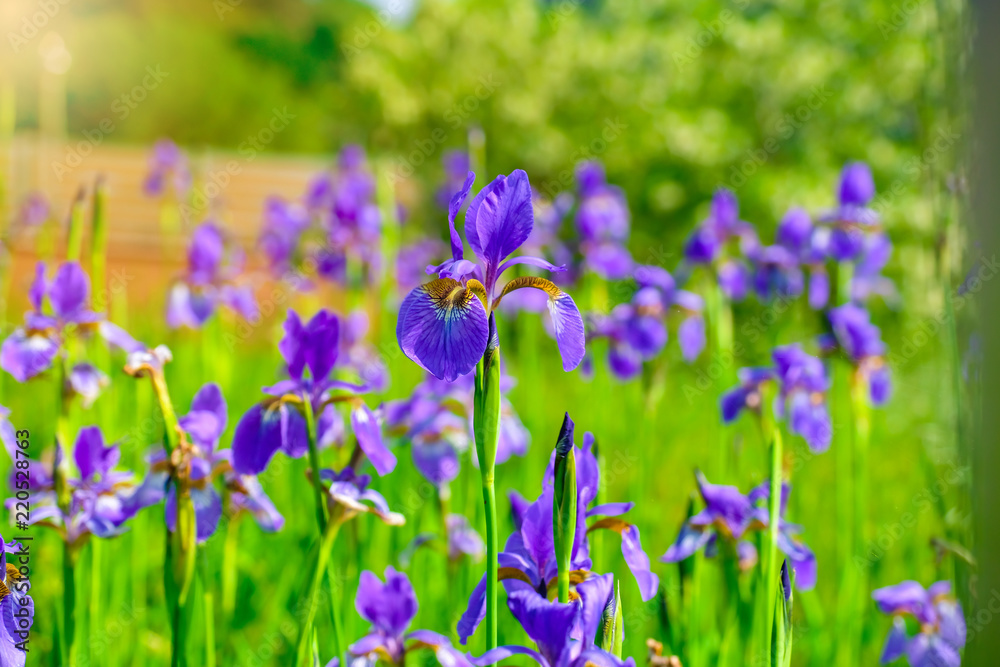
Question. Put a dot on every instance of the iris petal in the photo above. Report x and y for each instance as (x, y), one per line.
(566, 318)
(443, 328)
(369, 435)
(500, 218)
(257, 438)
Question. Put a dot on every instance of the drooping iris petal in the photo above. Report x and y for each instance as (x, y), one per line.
(549, 624)
(443, 328)
(638, 563)
(256, 439)
(500, 218)
(688, 542)
(595, 593)
(257, 502)
(25, 355)
(207, 509)
(369, 434)
(474, 613)
(566, 319)
(10, 630)
(494, 656)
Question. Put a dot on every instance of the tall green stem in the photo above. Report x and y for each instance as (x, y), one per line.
(307, 409)
(486, 425)
(773, 528)
(312, 594)
(862, 428)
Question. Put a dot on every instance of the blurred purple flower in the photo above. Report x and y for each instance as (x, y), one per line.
(168, 169)
(861, 342)
(941, 630)
(33, 348)
(210, 280)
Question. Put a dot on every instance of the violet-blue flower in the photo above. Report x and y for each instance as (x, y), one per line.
(861, 342)
(941, 630)
(311, 352)
(528, 561)
(210, 280)
(564, 633)
(443, 325)
(390, 607)
(34, 347)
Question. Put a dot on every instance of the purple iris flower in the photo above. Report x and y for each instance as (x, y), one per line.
(390, 608)
(198, 464)
(98, 496)
(35, 210)
(209, 281)
(861, 341)
(168, 169)
(776, 272)
(34, 347)
(603, 222)
(462, 542)
(867, 279)
(852, 217)
(444, 325)
(564, 633)
(801, 557)
(528, 560)
(941, 634)
(723, 224)
(437, 419)
(348, 495)
(803, 384)
(637, 331)
(17, 608)
(284, 223)
(728, 514)
(311, 352)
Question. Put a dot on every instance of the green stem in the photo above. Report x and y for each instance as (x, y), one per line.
(322, 558)
(774, 518)
(208, 603)
(69, 605)
(74, 242)
(492, 566)
(860, 414)
(486, 425)
(314, 463)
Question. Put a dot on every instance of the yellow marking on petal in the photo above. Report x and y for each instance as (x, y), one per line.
(478, 289)
(4, 591)
(447, 294)
(543, 284)
(512, 573)
(610, 523)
